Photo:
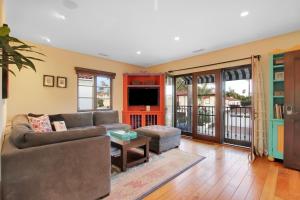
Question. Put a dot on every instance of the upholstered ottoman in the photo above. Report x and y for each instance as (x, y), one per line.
(163, 138)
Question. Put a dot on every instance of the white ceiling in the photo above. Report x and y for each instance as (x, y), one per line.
(120, 28)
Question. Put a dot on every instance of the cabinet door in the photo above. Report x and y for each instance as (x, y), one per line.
(278, 139)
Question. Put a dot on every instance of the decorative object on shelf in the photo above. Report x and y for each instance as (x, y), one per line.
(279, 76)
(278, 111)
(278, 93)
(11, 54)
(278, 61)
(149, 82)
(136, 82)
(61, 82)
(48, 81)
(148, 108)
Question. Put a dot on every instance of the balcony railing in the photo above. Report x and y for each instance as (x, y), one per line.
(238, 125)
(237, 122)
(184, 118)
(206, 120)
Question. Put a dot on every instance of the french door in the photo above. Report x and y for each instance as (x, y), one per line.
(215, 105)
(207, 101)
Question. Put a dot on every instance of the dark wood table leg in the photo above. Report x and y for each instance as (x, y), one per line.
(146, 151)
(123, 159)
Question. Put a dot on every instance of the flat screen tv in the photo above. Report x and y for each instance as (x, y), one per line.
(143, 96)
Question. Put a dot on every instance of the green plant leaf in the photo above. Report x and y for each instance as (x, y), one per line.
(16, 40)
(4, 31)
(12, 49)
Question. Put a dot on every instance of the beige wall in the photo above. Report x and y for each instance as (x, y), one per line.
(263, 47)
(27, 94)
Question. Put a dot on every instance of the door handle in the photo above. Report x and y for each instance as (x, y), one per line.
(289, 109)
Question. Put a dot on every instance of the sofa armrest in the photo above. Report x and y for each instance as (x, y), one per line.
(23, 136)
(74, 170)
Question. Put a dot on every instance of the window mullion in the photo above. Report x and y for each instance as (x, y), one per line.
(95, 93)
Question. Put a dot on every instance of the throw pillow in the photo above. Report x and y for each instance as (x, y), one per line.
(59, 126)
(55, 118)
(34, 115)
(40, 124)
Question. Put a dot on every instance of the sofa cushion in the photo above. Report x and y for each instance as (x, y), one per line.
(78, 119)
(22, 136)
(116, 126)
(105, 117)
(40, 124)
(157, 131)
(19, 119)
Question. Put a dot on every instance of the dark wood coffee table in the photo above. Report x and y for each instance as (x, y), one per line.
(130, 156)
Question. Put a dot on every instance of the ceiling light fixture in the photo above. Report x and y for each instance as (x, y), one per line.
(176, 38)
(244, 13)
(46, 39)
(59, 16)
(70, 4)
(138, 52)
(198, 50)
(155, 5)
(102, 54)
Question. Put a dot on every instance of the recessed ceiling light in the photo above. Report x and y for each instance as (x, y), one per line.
(176, 38)
(198, 50)
(102, 54)
(244, 13)
(46, 39)
(59, 16)
(138, 52)
(70, 4)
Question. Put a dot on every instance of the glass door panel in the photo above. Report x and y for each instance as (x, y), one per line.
(184, 103)
(207, 105)
(169, 101)
(206, 98)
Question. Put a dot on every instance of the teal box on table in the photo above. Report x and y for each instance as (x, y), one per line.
(122, 135)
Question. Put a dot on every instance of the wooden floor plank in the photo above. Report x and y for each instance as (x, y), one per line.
(226, 174)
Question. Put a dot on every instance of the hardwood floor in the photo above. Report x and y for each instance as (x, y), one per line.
(227, 174)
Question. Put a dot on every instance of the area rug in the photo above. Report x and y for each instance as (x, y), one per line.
(139, 181)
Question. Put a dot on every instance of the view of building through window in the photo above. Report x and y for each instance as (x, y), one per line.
(94, 92)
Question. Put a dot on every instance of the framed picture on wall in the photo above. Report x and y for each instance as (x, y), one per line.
(61, 82)
(48, 81)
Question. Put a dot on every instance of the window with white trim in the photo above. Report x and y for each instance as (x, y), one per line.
(94, 89)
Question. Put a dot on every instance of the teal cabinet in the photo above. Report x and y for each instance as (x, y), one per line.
(277, 140)
(276, 109)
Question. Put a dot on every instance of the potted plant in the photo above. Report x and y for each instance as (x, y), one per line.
(12, 50)
(11, 53)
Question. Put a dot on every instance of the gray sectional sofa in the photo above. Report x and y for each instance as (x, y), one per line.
(69, 165)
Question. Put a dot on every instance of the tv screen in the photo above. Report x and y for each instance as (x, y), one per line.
(143, 96)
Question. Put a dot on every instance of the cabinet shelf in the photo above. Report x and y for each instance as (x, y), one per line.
(277, 120)
(279, 97)
(143, 86)
(278, 66)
